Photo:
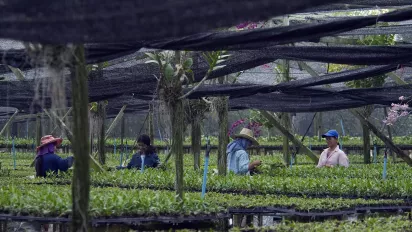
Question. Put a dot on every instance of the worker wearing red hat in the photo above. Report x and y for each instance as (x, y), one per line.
(47, 161)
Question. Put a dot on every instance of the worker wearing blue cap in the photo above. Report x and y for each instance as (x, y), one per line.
(332, 156)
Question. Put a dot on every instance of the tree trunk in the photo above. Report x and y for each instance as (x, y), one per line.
(176, 114)
(366, 145)
(318, 126)
(196, 142)
(38, 129)
(223, 137)
(367, 111)
(101, 112)
(81, 173)
(151, 123)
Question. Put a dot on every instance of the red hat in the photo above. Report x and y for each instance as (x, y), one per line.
(47, 139)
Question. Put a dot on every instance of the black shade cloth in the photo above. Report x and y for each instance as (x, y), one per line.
(252, 39)
(316, 101)
(106, 21)
(132, 91)
(244, 60)
(262, 38)
(240, 90)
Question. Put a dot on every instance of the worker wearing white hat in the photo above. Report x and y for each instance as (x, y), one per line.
(237, 157)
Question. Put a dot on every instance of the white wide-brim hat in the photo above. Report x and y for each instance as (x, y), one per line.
(247, 134)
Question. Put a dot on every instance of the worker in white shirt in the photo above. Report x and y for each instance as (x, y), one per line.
(332, 156)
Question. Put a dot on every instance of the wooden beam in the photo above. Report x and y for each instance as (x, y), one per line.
(8, 123)
(397, 79)
(291, 137)
(67, 114)
(379, 134)
(308, 69)
(115, 122)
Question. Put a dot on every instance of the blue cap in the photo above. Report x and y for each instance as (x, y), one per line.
(331, 133)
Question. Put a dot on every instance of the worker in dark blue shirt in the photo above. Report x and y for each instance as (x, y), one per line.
(46, 159)
(146, 154)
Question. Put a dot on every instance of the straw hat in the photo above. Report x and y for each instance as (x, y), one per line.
(47, 139)
(247, 134)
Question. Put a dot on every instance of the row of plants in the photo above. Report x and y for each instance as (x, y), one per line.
(48, 200)
(271, 166)
(376, 224)
(274, 141)
(336, 186)
(269, 162)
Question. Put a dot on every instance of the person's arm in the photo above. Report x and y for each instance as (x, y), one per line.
(321, 159)
(133, 162)
(343, 159)
(243, 161)
(64, 164)
(156, 160)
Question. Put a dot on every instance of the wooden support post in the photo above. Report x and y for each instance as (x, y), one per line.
(379, 134)
(285, 118)
(223, 137)
(366, 144)
(115, 122)
(196, 142)
(8, 123)
(101, 112)
(223, 115)
(122, 132)
(290, 136)
(38, 130)
(151, 123)
(80, 145)
(177, 112)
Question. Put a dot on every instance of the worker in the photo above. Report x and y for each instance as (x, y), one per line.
(237, 157)
(46, 159)
(146, 153)
(332, 156)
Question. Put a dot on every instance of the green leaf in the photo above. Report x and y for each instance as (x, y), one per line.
(218, 67)
(152, 56)
(188, 64)
(151, 61)
(169, 71)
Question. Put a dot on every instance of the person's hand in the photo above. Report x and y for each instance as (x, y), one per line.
(70, 161)
(257, 163)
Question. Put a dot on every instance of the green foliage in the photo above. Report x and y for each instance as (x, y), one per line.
(357, 181)
(215, 58)
(31, 199)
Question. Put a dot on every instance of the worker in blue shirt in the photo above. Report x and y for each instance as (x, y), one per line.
(237, 157)
(46, 159)
(146, 154)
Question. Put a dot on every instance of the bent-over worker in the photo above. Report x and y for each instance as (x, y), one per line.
(46, 159)
(237, 157)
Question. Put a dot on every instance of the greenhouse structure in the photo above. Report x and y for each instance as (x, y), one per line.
(262, 115)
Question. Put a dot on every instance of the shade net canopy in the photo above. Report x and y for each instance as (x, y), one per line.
(137, 93)
(249, 39)
(106, 21)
